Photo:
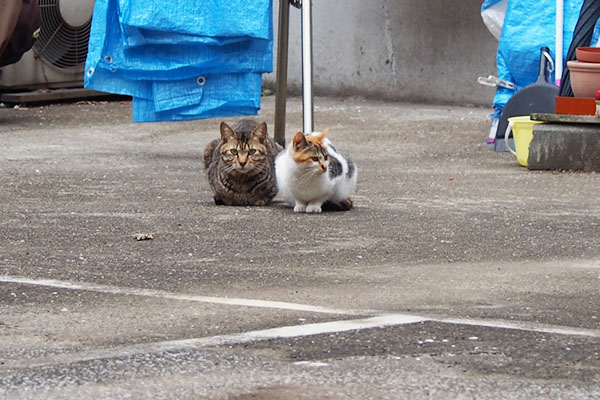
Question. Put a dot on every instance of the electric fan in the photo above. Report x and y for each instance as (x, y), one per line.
(57, 58)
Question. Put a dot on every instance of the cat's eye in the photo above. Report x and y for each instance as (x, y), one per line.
(315, 159)
(252, 151)
(234, 152)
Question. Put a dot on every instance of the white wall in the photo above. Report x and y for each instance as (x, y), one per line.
(413, 50)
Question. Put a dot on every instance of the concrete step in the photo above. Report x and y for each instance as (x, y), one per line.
(563, 146)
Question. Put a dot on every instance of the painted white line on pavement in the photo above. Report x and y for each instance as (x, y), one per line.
(292, 331)
(521, 326)
(219, 340)
(117, 290)
(380, 320)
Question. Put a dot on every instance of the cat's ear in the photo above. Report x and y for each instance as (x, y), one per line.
(260, 132)
(299, 141)
(321, 135)
(226, 132)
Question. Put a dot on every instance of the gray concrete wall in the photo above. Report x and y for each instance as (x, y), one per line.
(416, 50)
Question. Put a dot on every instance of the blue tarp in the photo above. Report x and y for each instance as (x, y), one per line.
(181, 60)
(527, 27)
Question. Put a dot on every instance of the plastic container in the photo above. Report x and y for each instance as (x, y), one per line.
(522, 129)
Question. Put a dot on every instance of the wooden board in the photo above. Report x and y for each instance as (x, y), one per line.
(566, 118)
(44, 96)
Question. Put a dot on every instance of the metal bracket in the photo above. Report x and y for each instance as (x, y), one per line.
(494, 81)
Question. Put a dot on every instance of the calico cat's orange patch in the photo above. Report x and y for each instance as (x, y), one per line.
(310, 150)
(307, 147)
(303, 157)
(317, 139)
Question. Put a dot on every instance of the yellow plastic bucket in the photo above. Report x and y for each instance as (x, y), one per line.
(522, 129)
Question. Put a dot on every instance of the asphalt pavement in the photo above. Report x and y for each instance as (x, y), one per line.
(459, 274)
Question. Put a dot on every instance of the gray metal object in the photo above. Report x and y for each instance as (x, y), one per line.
(282, 67)
(494, 81)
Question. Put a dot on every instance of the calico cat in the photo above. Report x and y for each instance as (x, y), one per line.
(240, 165)
(313, 176)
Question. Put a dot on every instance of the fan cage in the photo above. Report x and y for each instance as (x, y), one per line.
(58, 43)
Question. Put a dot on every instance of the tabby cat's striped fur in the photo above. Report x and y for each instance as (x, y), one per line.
(240, 165)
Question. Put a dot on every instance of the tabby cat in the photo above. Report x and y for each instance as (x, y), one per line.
(240, 165)
(313, 176)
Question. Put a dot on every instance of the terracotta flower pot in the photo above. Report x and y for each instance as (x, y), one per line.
(588, 54)
(585, 78)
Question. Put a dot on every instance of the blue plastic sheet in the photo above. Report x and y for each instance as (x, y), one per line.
(181, 60)
(526, 28)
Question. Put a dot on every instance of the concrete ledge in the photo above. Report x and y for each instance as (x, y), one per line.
(565, 147)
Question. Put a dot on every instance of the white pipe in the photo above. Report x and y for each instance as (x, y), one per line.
(307, 75)
(559, 42)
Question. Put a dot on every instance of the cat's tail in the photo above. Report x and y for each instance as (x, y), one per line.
(344, 205)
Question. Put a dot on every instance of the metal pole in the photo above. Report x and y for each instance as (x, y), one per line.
(558, 50)
(282, 69)
(307, 76)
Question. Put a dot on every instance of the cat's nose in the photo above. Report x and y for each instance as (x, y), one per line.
(242, 162)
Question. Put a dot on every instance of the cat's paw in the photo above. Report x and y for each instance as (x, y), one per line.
(313, 208)
(260, 202)
(299, 208)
